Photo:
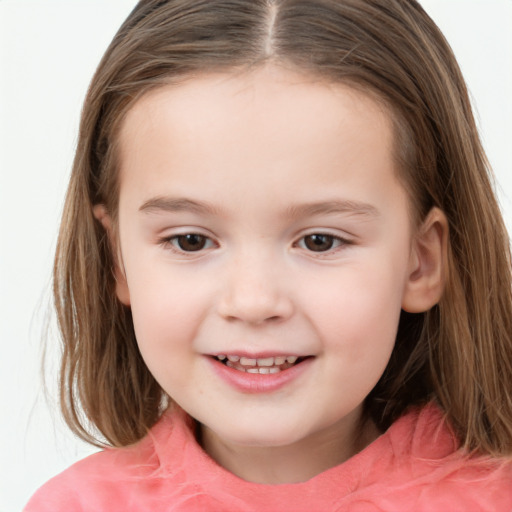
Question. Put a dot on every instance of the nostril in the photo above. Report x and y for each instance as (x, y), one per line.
(255, 304)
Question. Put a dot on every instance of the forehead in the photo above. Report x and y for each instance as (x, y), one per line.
(260, 132)
(270, 95)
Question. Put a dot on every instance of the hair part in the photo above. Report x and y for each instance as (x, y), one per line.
(459, 353)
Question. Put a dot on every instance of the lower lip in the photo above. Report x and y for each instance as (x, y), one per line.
(257, 382)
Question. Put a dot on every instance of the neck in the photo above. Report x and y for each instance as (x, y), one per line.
(294, 463)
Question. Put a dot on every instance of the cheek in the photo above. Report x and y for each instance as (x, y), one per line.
(358, 310)
(167, 309)
(165, 321)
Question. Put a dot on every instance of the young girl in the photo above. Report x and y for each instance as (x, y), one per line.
(282, 279)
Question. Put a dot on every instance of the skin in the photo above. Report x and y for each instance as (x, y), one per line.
(258, 149)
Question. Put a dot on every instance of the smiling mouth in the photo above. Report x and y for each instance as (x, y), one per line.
(263, 366)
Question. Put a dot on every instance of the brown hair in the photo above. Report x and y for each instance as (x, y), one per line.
(459, 353)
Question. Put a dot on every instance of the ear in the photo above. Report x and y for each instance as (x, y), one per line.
(122, 291)
(428, 264)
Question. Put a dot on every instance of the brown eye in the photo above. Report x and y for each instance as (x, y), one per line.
(190, 242)
(319, 243)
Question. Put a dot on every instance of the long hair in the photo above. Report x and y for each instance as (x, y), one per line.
(459, 353)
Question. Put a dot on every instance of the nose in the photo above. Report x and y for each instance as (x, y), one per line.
(254, 293)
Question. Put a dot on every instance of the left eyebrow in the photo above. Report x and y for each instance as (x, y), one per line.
(333, 207)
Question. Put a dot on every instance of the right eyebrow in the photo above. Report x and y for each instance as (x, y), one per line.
(177, 204)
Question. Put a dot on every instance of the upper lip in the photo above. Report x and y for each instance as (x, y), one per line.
(257, 355)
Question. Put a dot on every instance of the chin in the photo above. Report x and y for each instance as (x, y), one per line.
(266, 436)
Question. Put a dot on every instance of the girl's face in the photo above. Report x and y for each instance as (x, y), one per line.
(261, 219)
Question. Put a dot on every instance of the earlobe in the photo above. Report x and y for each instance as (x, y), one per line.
(428, 264)
(122, 291)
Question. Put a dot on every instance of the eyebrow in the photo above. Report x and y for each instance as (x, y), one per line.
(179, 204)
(333, 207)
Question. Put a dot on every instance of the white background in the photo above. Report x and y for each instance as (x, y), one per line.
(48, 52)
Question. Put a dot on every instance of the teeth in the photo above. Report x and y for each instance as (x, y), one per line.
(231, 365)
(264, 371)
(253, 364)
(267, 361)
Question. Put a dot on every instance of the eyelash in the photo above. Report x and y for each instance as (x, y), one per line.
(173, 242)
(335, 243)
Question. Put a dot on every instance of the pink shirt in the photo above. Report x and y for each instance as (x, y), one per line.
(414, 466)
